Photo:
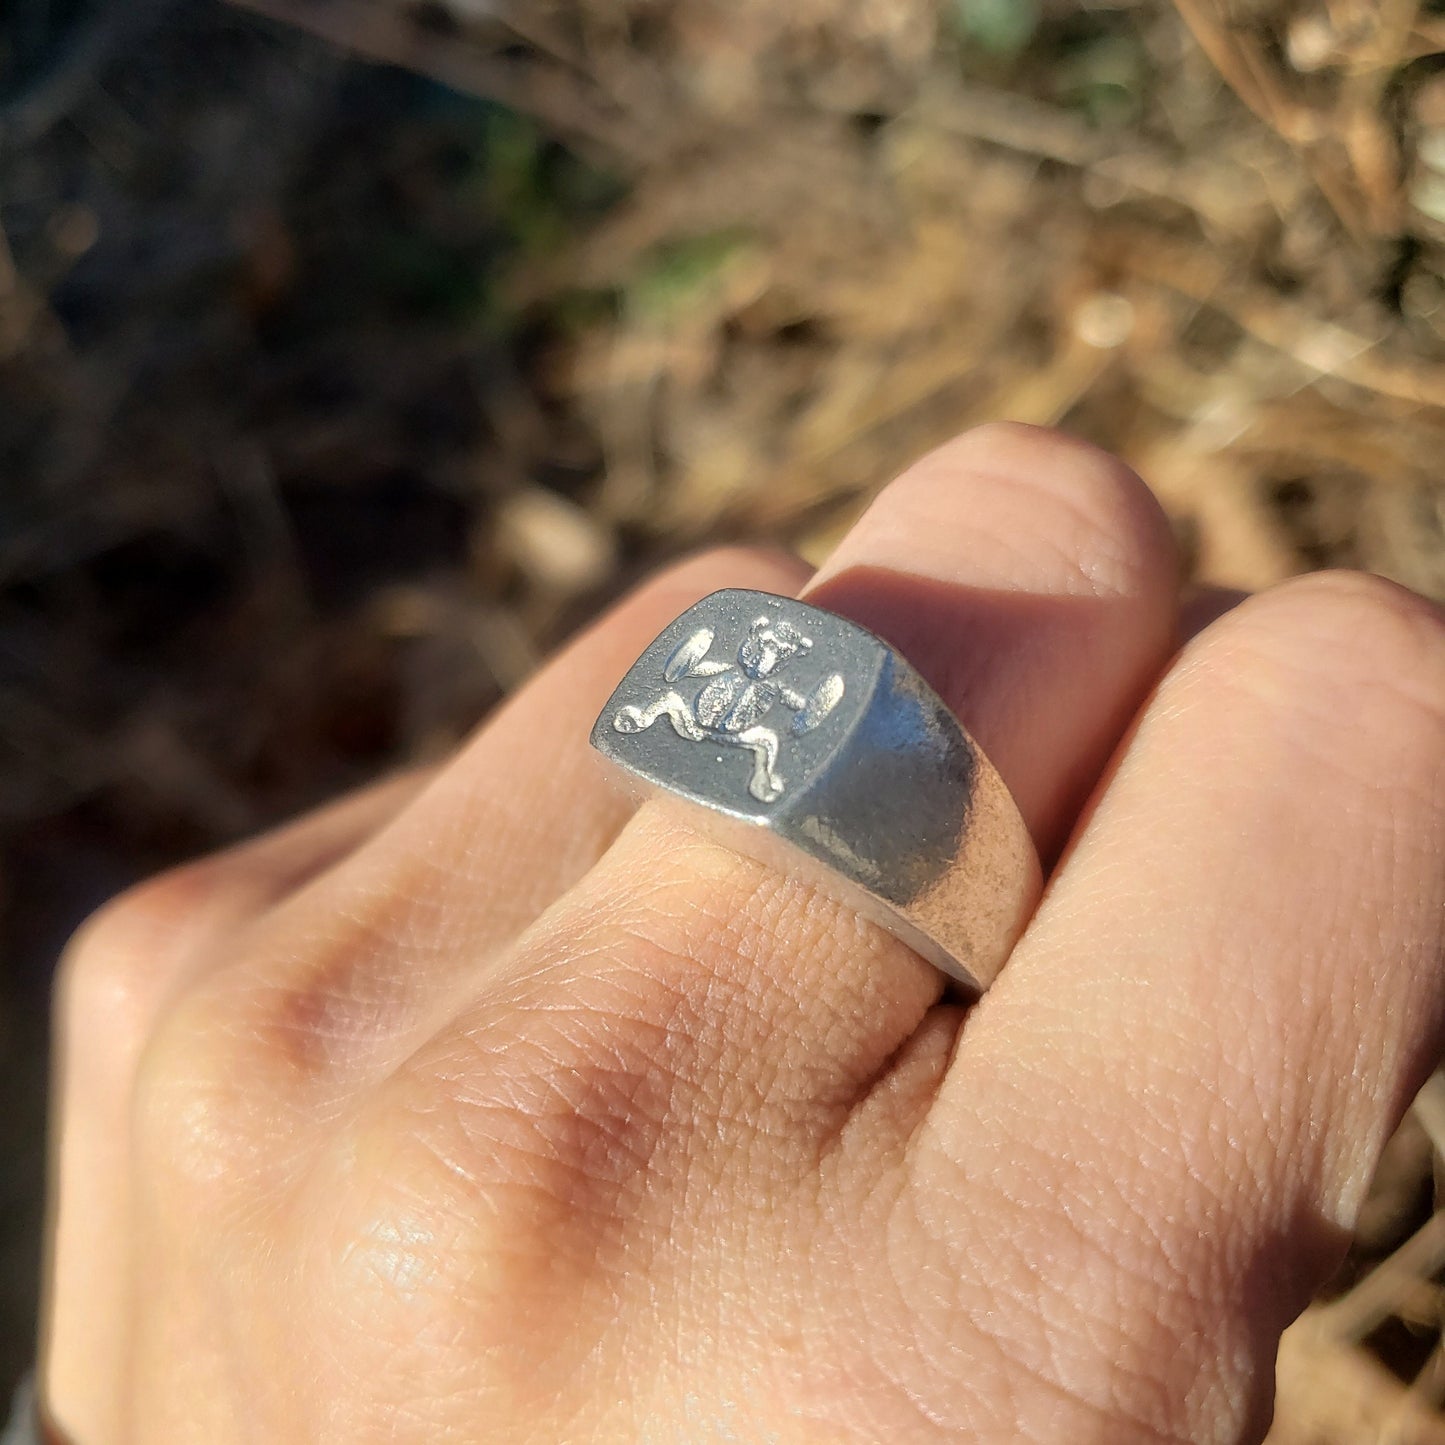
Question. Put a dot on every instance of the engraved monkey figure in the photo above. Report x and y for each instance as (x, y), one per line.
(730, 707)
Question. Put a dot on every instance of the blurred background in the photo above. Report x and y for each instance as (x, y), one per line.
(354, 351)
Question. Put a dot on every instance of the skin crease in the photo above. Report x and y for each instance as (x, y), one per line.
(480, 1108)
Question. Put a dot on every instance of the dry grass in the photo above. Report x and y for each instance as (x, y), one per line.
(819, 238)
(849, 235)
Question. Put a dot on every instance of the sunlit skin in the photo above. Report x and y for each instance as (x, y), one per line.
(484, 1107)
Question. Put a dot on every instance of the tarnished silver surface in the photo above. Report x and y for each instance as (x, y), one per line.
(813, 745)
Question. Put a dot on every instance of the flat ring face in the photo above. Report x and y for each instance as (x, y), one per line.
(741, 702)
(810, 743)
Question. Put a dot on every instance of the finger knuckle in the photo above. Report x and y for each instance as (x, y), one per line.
(563, 1107)
(1088, 506)
(292, 1017)
(204, 1115)
(1348, 649)
(642, 1053)
(321, 1012)
(124, 957)
(408, 1219)
(397, 1230)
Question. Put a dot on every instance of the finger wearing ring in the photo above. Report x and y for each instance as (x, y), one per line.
(813, 746)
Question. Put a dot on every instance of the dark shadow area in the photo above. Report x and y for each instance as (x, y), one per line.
(252, 360)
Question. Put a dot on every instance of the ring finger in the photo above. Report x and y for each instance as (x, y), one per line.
(1030, 578)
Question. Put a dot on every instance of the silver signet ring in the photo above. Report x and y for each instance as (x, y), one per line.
(810, 744)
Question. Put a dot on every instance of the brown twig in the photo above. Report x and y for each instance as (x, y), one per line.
(1240, 61)
(1429, 1109)
(1379, 1294)
(1370, 139)
(1321, 347)
(385, 32)
(1237, 58)
(1218, 192)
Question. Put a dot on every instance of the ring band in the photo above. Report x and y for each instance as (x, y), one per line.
(815, 747)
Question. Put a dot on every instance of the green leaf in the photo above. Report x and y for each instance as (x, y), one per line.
(678, 275)
(1003, 28)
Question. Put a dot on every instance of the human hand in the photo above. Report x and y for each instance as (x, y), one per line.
(477, 1110)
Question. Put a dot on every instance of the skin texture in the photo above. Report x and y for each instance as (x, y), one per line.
(479, 1108)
